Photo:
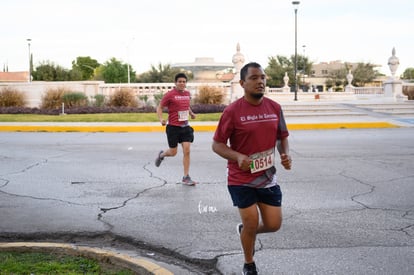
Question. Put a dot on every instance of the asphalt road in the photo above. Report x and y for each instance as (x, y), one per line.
(348, 202)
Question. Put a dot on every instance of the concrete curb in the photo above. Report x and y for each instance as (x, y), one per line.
(198, 128)
(140, 266)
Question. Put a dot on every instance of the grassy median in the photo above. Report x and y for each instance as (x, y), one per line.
(107, 117)
(47, 263)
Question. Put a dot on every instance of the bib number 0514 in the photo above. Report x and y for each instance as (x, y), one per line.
(262, 161)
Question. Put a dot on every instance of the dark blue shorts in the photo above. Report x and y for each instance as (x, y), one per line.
(177, 134)
(245, 196)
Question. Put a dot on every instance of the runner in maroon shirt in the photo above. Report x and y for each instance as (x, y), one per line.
(254, 125)
(178, 130)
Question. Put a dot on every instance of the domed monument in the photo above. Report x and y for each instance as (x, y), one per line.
(204, 69)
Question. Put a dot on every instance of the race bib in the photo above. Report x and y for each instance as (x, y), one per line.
(262, 160)
(182, 115)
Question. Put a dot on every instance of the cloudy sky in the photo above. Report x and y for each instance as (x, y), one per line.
(149, 32)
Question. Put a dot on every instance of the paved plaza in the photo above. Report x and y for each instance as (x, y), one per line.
(348, 201)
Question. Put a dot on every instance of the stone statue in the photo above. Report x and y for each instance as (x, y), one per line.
(238, 61)
(393, 63)
(349, 78)
(393, 86)
(286, 80)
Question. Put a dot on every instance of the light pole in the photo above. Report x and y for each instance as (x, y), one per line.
(30, 63)
(295, 5)
(128, 45)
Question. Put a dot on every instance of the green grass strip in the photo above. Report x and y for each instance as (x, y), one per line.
(110, 117)
(46, 263)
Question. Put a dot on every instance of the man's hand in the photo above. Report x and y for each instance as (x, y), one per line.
(244, 162)
(163, 122)
(286, 161)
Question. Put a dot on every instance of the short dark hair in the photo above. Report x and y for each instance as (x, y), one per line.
(180, 75)
(243, 71)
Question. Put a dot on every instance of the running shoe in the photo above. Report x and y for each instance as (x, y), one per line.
(188, 181)
(249, 269)
(159, 159)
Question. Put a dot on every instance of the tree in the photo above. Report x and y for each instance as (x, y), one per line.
(276, 69)
(337, 78)
(45, 71)
(279, 65)
(364, 73)
(408, 74)
(113, 71)
(98, 73)
(48, 71)
(85, 67)
(160, 74)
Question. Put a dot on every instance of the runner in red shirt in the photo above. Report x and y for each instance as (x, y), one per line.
(178, 129)
(253, 125)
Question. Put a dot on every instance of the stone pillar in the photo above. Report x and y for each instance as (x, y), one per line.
(393, 89)
(238, 61)
(393, 86)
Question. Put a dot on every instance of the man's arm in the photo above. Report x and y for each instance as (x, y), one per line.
(192, 114)
(226, 152)
(159, 114)
(282, 146)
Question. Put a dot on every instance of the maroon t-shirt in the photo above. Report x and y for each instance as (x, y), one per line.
(178, 104)
(250, 129)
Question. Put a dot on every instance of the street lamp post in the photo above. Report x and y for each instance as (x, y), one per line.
(128, 68)
(30, 63)
(295, 5)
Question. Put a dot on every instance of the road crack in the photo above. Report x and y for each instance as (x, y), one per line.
(405, 215)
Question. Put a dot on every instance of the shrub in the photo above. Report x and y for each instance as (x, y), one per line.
(74, 99)
(158, 98)
(27, 110)
(99, 100)
(144, 99)
(209, 95)
(53, 98)
(123, 98)
(77, 110)
(10, 97)
(197, 108)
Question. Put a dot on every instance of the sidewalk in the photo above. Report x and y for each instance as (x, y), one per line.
(299, 116)
(310, 123)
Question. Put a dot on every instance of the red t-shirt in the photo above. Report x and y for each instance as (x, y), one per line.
(178, 104)
(250, 129)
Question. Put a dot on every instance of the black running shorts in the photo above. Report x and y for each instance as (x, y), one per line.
(245, 196)
(177, 134)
